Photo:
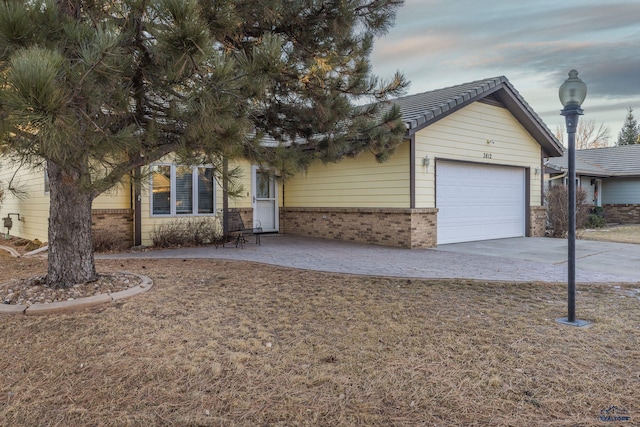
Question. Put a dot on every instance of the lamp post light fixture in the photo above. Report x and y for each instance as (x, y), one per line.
(572, 93)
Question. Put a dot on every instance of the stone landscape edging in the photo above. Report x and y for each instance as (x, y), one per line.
(80, 303)
(11, 251)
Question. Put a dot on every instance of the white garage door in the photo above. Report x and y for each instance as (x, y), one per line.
(479, 202)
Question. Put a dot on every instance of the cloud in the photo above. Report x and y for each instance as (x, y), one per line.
(410, 47)
(439, 43)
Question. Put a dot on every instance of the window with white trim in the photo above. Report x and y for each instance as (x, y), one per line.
(182, 190)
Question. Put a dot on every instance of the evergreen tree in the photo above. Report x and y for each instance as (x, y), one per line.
(96, 89)
(630, 132)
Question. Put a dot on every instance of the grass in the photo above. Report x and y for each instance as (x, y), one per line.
(221, 343)
(618, 233)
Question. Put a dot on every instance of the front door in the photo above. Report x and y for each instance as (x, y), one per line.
(265, 200)
(597, 196)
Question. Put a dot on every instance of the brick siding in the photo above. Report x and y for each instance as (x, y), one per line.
(116, 224)
(538, 224)
(622, 214)
(405, 228)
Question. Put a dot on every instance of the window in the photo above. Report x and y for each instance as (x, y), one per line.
(205, 190)
(182, 190)
(47, 187)
(264, 184)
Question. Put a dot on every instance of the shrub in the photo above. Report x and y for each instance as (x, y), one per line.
(104, 241)
(187, 232)
(557, 201)
(595, 221)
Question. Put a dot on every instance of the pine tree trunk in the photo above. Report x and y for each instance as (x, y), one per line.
(71, 259)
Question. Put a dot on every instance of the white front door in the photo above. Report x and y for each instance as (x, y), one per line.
(265, 199)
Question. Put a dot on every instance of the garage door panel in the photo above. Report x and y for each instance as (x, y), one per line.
(479, 202)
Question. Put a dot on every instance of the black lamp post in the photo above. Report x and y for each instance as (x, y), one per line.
(572, 93)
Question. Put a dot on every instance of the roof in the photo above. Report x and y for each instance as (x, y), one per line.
(421, 110)
(621, 161)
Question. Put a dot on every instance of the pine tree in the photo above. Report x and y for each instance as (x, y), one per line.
(96, 89)
(630, 133)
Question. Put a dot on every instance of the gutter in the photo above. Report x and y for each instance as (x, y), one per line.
(562, 175)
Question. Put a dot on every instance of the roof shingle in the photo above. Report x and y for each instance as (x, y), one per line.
(420, 110)
(623, 160)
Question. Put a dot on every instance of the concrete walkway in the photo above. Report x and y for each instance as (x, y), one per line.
(517, 259)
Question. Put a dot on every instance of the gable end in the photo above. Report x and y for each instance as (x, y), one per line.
(492, 100)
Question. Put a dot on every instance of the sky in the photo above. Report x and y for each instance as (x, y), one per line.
(534, 43)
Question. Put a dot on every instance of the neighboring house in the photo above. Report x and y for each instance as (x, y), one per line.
(610, 176)
(470, 168)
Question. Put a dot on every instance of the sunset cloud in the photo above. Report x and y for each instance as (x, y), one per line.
(442, 43)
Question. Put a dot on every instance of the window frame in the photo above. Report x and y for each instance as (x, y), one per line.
(195, 195)
(47, 185)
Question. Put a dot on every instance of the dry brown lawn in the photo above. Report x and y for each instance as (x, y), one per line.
(617, 233)
(221, 343)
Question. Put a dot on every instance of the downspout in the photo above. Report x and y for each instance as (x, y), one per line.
(562, 175)
(137, 208)
(225, 196)
(542, 195)
(412, 172)
(280, 212)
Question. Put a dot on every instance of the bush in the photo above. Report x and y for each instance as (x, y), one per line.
(557, 201)
(104, 241)
(595, 221)
(187, 232)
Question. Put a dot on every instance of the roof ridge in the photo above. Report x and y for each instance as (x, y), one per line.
(439, 102)
(610, 147)
(481, 82)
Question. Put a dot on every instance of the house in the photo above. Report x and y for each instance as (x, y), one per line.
(610, 176)
(470, 168)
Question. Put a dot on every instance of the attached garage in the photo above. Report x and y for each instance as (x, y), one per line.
(470, 169)
(479, 202)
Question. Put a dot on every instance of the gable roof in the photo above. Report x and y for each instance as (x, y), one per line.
(421, 110)
(621, 161)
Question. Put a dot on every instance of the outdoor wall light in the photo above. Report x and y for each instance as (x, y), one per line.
(425, 162)
(572, 93)
(536, 171)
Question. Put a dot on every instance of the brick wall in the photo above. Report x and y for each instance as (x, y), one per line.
(538, 221)
(246, 214)
(622, 214)
(116, 224)
(406, 228)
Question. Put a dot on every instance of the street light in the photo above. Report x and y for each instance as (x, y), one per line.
(572, 93)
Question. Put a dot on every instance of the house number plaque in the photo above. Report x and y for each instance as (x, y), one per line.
(486, 156)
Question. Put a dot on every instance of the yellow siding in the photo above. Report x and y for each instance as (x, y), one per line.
(32, 205)
(353, 183)
(244, 201)
(463, 136)
(119, 197)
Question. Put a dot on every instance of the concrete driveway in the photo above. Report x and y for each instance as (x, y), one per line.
(618, 259)
(517, 259)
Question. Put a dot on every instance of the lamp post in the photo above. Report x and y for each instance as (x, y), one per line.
(572, 93)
